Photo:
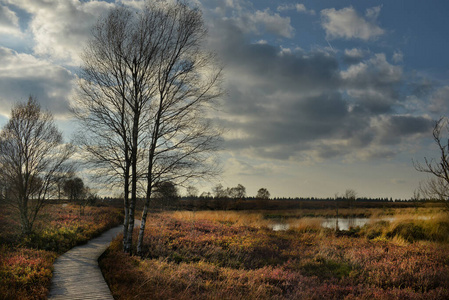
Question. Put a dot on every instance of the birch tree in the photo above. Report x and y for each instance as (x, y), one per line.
(146, 84)
(32, 157)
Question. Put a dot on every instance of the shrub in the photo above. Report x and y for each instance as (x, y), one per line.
(26, 261)
(25, 273)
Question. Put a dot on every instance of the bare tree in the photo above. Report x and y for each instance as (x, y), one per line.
(76, 191)
(166, 194)
(116, 88)
(350, 195)
(32, 157)
(145, 87)
(73, 188)
(219, 191)
(437, 187)
(192, 192)
(181, 138)
(263, 193)
(238, 192)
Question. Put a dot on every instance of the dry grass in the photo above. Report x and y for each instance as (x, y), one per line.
(409, 228)
(207, 256)
(306, 224)
(240, 218)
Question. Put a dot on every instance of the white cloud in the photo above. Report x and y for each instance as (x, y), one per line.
(355, 53)
(373, 12)
(373, 84)
(22, 75)
(268, 21)
(348, 24)
(9, 22)
(398, 56)
(439, 101)
(377, 67)
(245, 18)
(61, 28)
(299, 7)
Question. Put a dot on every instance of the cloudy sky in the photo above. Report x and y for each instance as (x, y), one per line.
(321, 95)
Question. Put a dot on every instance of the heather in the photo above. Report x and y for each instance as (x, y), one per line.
(26, 261)
(211, 256)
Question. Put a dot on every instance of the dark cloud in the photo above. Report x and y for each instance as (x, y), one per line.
(285, 102)
(397, 128)
(22, 75)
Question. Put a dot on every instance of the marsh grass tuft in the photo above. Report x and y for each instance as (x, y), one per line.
(410, 228)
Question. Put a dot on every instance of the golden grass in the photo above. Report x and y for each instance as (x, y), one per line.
(305, 224)
(423, 223)
(242, 218)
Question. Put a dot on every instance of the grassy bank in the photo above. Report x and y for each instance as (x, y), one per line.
(222, 255)
(26, 262)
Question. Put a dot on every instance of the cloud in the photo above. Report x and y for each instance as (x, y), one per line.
(439, 101)
(246, 19)
(373, 83)
(265, 21)
(284, 103)
(346, 23)
(354, 55)
(9, 22)
(300, 8)
(293, 104)
(61, 28)
(394, 129)
(398, 56)
(22, 75)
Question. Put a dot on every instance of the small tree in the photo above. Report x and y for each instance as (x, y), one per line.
(32, 156)
(76, 191)
(74, 188)
(350, 196)
(219, 192)
(192, 192)
(263, 193)
(238, 192)
(166, 193)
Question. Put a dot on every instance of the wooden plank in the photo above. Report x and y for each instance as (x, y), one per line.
(76, 273)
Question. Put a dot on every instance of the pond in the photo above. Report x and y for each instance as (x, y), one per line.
(346, 223)
(343, 223)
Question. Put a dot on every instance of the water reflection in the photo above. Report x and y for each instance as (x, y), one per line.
(279, 226)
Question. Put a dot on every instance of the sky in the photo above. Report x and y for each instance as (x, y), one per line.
(322, 96)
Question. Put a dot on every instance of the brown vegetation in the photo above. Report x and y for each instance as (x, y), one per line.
(230, 255)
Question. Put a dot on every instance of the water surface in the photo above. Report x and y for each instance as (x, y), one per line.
(342, 223)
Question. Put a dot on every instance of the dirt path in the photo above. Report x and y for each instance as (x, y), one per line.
(76, 273)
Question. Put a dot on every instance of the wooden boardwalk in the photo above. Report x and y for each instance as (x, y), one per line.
(76, 273)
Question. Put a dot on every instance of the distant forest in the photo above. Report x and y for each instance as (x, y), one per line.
(252, 203)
